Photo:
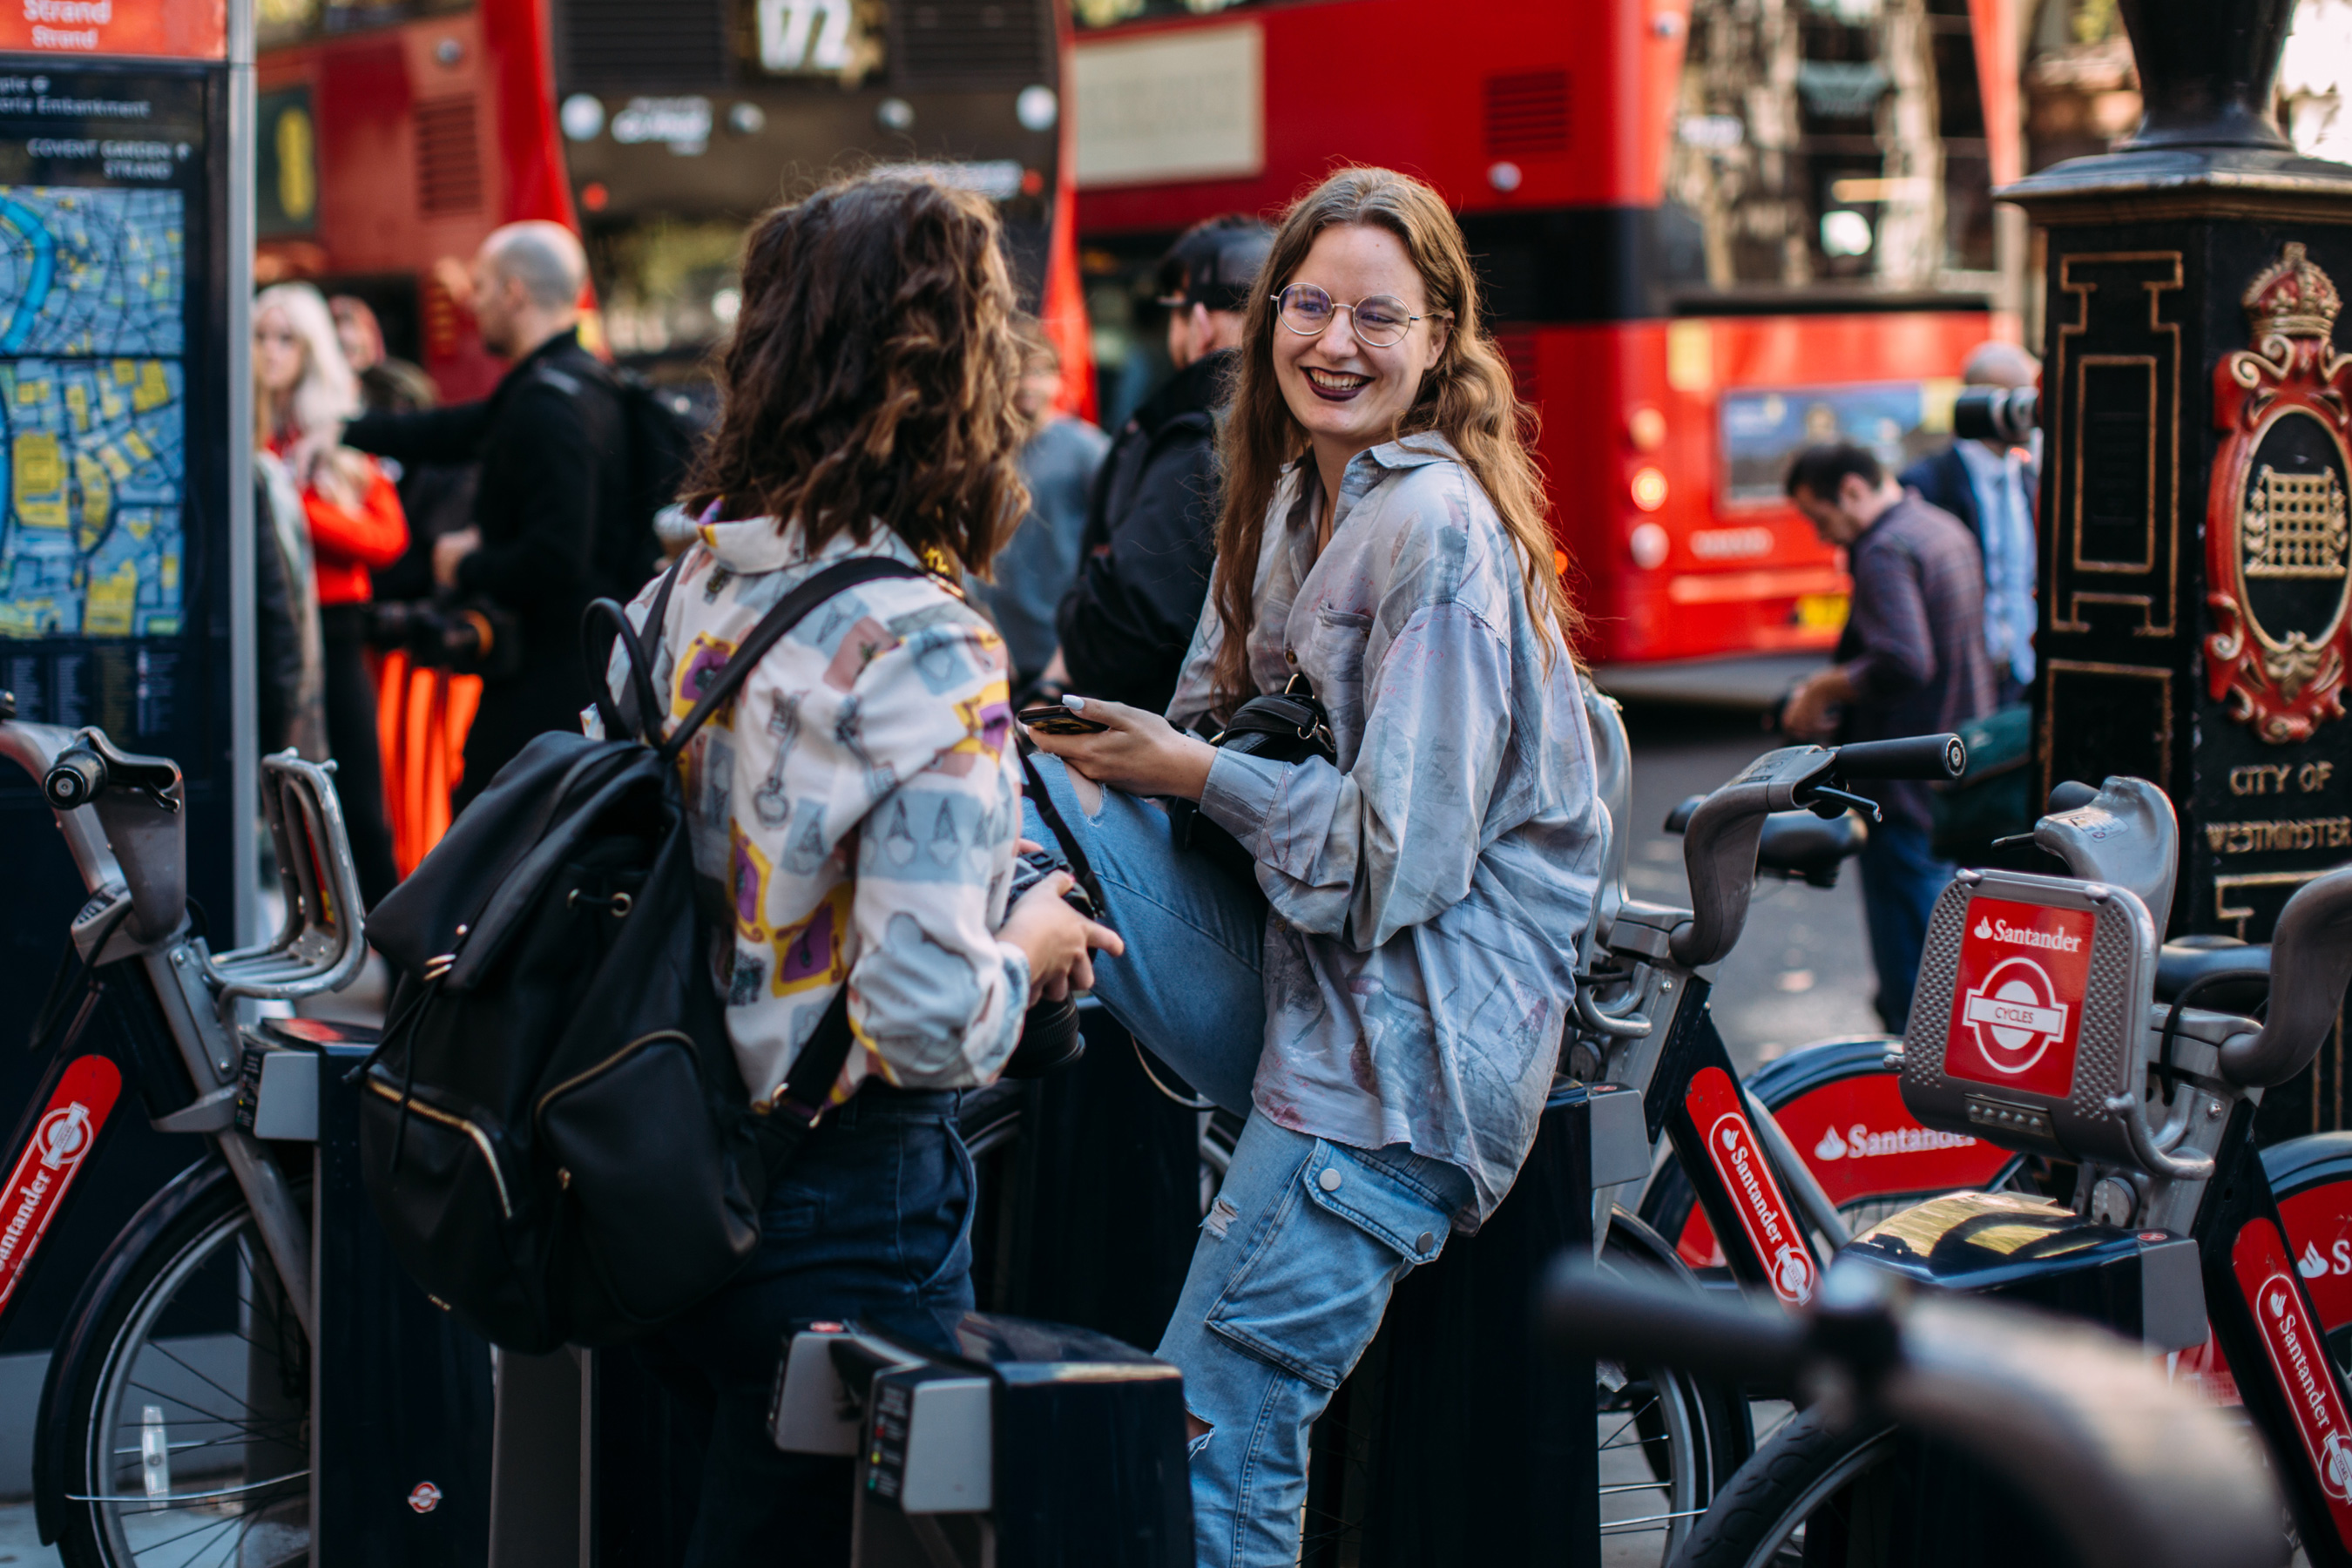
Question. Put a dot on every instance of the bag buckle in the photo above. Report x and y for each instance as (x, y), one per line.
(782, 1104)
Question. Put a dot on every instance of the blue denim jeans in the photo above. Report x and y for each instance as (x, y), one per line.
(1306, 1239)
(1190, 986)
(1900, 880)
(871, 1221)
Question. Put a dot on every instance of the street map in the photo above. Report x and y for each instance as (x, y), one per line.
(92, 411)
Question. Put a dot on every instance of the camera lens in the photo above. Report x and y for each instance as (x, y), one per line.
(1995, 414)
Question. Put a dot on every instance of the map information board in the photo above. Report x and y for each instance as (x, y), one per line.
(113, 516)
(92, 411)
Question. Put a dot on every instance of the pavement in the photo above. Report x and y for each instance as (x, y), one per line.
(1753, 682)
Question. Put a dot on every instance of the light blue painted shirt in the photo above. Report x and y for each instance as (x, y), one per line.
(1427, 892)
(2005, 530)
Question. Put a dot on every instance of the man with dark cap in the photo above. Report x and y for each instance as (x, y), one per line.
(1151, 529)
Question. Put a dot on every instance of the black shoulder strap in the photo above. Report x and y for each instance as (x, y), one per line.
(1082, 871)
(789, 612)
(639, 645)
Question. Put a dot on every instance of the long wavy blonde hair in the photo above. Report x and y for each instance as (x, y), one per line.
(1467, 397)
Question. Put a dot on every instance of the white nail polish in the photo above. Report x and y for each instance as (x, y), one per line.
(1075, 704)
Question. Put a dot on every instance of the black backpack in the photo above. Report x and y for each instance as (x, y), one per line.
(660, 427)
(554, 1131)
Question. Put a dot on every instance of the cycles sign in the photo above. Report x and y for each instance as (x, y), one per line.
(46, 1166)
(2298, 1354)
(2017, 1005)
(1765, 1216)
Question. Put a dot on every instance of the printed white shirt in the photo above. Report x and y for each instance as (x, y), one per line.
(855, 809)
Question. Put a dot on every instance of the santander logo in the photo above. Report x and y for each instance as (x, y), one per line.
(2317, 1411)
(1859, 1143)
(46, 1165)
(1787, 1264)
(2298, 1355)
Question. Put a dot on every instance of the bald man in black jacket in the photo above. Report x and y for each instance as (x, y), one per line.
(553, 499)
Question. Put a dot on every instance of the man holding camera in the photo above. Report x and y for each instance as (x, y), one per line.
(1990, 485)
(553, 500)
(1911, 661)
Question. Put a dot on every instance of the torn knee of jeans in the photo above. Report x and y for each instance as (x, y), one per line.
(1089, 794)
(1196, 1434)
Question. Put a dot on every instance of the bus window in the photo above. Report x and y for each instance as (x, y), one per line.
(280, 22)
(1838, 142)
(668, 285)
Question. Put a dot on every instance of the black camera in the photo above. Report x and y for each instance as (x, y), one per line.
(2001, 414)
(468, 636)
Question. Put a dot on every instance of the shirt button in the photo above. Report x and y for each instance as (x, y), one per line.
(1329, 1180)
(1426, 1241)
(1291, 655)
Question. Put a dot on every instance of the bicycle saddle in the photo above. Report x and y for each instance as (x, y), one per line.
(2187, 959)
(1796, 843)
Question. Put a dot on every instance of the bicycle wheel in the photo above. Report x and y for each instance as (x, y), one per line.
(1867, 1496)
(188, 1436)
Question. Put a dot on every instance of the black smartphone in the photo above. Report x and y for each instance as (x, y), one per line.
(1056, 719)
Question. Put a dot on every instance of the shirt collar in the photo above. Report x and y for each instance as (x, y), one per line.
(754, 544)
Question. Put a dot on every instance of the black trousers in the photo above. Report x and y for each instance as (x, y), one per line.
(351, 742)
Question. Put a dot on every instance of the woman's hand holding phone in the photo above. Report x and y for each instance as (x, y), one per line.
(1058, 939)
(1134, 749)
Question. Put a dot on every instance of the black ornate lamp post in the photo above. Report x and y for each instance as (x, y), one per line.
(2198, 460)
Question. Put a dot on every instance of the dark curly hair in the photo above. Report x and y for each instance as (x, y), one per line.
(872, 371)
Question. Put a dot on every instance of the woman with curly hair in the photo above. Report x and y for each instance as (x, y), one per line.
(1389, 1011)
(858, 809)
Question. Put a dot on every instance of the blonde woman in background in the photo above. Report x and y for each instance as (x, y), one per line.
(304, 389)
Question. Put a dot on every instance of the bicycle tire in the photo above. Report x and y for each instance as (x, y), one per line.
(1868, 1494)
(147, 1464)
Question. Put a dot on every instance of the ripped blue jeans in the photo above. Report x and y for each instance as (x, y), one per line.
(1306, 1239)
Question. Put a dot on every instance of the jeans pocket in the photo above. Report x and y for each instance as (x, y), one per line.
(1311, 1292)
(955, 1258)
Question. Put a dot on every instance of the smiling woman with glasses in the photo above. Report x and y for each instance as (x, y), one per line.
(1383, 997)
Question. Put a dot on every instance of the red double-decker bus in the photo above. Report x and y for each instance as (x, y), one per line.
(1710, 231)
(395, 133)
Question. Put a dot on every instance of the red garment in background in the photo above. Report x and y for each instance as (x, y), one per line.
(346, 542)
(421, 715)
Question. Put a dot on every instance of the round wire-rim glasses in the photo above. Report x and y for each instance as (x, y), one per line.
(1381, 320)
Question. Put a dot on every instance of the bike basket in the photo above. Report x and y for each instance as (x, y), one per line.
(2030, 1011)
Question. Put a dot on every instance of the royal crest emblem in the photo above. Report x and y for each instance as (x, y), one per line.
(2278, 558)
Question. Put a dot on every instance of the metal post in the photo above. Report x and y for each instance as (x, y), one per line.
(2195, 564)
(245, 738)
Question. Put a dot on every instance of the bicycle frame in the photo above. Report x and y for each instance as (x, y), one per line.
(135, 926)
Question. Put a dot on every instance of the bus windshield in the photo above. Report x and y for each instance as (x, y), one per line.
(282, 21)
(1830, 145)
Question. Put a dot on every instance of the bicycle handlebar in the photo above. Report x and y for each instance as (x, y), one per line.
(75, 779)
(2310, 964)
(2135, 1472)
(1720, 842)
(1911, 757)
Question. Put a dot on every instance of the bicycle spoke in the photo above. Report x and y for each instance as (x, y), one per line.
(203, 1528)
(230, 1422)
(159, 1347)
